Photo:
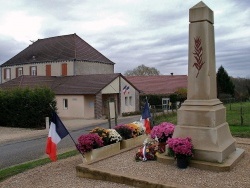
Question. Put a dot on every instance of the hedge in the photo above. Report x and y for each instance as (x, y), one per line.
(26, 108)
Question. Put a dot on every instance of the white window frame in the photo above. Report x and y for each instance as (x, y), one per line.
(165, 103)
(19, 71)
(33, 71)
(65, 104)
(8, 74)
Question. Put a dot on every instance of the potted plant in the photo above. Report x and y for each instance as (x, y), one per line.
(182, 149)
(88, 142)
(114, 136)
(125, 131)
(162, 133)
(103, 133)
(132, 134)
(92, 145)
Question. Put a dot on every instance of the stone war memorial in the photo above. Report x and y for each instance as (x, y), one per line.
(202, 116)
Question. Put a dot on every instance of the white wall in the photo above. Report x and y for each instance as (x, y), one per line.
(79, 106)
(130, 105)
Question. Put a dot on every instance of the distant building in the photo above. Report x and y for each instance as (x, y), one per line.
(163, 85)
(65, 55)
(82, 78)
(158, 85)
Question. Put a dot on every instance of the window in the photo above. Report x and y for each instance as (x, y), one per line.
(33, 71)
(126, 101)
(165, 103)
(65, 103)
(19, 71)
(6, 74)
(130, 100)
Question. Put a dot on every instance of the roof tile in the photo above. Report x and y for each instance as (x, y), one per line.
(68, 85)
(162, 84)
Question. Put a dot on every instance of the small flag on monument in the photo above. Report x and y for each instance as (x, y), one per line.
(145, 116)
(57, 132)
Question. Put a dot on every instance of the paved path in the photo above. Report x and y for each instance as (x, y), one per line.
(27, 144)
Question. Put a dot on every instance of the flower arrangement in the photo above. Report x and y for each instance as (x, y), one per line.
(125, 131)
(103, 133)
(90, 141)
(147, 152)
(162, 132)
(180, 147)
(114, 136)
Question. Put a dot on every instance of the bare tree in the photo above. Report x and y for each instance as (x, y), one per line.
(142, 70)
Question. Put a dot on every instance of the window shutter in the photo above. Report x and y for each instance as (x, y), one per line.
(16, 72)
(4, 74)
(30, 70)
(64, 69)
(48, 70)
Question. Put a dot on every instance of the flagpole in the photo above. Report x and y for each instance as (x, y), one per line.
(69, 134)
(75, 144)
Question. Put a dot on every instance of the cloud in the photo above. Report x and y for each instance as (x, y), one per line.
(130, 32)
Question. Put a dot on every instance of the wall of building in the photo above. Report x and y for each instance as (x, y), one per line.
(128, 97)
(75, 106)
(113, 87)
(79, 106)
(56, 69)
(83, 68)
(89, 106)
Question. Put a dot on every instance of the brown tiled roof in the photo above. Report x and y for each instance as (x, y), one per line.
(60, 48)
(162, 84)
(68, 85)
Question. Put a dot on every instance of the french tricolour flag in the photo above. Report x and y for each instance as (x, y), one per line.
(145, 116)
(125, 89)
(57, 132)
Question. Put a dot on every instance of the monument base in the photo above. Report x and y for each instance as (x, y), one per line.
(226, 165)
(210, 144)
(205, 122)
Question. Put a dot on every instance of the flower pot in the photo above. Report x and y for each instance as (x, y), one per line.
(182, 162)
(102, 152)
(132, 142)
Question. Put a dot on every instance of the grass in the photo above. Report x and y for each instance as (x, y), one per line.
(11, 171)
(237, 114)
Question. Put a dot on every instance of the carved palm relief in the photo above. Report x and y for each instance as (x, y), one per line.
(198, 55)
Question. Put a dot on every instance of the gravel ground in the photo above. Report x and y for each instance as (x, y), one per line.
(63, 173)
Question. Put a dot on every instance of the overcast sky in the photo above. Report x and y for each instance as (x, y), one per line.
(130, 32)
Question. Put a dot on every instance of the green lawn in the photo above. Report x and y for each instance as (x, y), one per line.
(238, 118)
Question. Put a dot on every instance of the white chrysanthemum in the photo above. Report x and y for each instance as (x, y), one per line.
(114, 136)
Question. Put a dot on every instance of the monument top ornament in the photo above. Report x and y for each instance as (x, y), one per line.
(201, 12)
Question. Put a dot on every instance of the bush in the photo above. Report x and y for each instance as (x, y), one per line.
(26, 108)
